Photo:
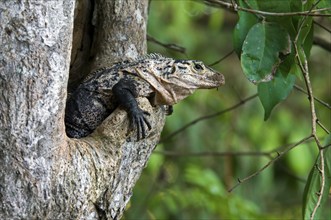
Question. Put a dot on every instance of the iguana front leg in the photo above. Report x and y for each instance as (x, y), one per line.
(125, 94)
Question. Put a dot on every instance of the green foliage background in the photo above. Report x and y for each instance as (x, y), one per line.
(195, 187)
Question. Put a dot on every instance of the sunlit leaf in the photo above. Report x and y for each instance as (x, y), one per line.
(263, 46)
(314, 182)
(275, 91)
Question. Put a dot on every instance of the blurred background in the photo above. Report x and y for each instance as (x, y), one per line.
(189, 174)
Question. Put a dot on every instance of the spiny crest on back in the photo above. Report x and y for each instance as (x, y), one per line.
(153, 56)
(131, 62)
(127, 63)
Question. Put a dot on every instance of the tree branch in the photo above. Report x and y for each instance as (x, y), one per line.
(325, 104)
(303, 64)
(222, 58)
(242, 102)
(322, 26)
(279, 155)
(326, 45)
(234, 7)
(322, 126)
(173, 47)
(213, 154)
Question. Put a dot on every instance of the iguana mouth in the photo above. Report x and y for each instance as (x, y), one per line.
(217, 77)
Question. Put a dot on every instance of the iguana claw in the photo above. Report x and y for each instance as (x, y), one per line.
(138, 119)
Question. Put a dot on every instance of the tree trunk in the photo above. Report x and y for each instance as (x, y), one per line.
(44, 174)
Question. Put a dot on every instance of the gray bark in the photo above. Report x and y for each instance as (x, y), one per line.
(43, 173)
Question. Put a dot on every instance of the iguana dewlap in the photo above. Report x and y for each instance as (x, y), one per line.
(164, 81)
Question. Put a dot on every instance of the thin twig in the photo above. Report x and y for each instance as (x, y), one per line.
(174, 47)
(225, 153)
(325, 104)
(234, 5)
(327, 146)
(326, 45)
(305, 72)
(214, 154)
(223, 58)
(323, 127)
(322, 26)
(320, 193)
(242, 102)
(220, 3)
(279, 155)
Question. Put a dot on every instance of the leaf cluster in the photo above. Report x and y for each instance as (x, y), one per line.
(265, 45)
(271, 50)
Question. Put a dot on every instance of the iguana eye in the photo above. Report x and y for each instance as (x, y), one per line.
(198, 67)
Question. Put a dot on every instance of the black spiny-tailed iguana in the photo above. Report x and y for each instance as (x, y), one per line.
(164, 81)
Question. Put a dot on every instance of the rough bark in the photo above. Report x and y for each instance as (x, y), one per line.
(120, 32)
(45, 174)
(81, 42)
(34, 58)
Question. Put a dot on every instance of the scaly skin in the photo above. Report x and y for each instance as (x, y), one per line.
(164, 81)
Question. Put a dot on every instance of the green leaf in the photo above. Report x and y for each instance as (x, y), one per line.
(306, 34)
(278, 6)
(305, 23)
(308, 42)
(264, 43)
(305, 30)
(324, 4)
(296, 6)
(246, 21)
(274, 6)
(275, 91)
(313, 185)
(206, 179)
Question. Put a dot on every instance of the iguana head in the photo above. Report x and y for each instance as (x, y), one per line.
(194, 74)
(174, 80)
